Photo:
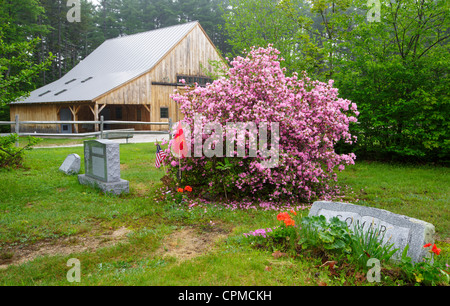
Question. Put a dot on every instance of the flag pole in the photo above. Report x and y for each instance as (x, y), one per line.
(162, 162)
(179, 166)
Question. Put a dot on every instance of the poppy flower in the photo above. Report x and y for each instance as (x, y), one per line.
(427, 245)
(283, 216)
(180, 189)
(289, 222)
(435, 250)
(188, 188)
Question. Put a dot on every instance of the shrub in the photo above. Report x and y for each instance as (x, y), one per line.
(317, 232)
(311, 118)
(12, 156)
(403, 105)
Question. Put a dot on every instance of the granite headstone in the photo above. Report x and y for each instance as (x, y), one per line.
(102, 166)
(71, 164)
(397, 229)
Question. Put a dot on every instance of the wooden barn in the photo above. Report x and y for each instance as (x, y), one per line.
(129, 78)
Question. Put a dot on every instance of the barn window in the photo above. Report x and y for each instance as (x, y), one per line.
(191, 80)
(42, 94)
(164, 113)
(179, 78)
(85, 80)
(58, 93)
(70, 81)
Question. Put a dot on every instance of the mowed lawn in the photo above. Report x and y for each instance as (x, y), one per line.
(40, 206)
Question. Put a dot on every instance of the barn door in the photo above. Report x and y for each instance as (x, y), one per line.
(65, 115)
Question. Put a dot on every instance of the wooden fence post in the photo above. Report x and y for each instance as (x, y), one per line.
(17, 130)
(101, 127)
(170, 128)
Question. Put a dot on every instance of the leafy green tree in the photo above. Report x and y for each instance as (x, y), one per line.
(17, 70)
(397, 72)
(20, 32)
(261, 22)
(20, 20)
(69, 41)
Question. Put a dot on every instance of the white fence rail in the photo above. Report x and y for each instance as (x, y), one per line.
(101, 123)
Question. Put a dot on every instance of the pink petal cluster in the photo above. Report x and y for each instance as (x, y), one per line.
(311, 116)
(263, 232)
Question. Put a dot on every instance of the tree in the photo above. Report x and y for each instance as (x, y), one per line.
(260, 22)
(17, 69)
(69, 41)
(125, 17)
(20, 30)
(397, 70)
(327, 22)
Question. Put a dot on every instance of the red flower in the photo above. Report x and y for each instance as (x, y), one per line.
(289, 222)
(427, 245)
(435, 250)
(292, 211)
(188, 188)
(180, 189)
(283, 216)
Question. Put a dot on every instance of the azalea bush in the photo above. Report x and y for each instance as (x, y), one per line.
(311, 119)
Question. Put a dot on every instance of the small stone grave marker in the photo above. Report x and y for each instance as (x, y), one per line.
(102, 166)
(398, 229)
(71, 164)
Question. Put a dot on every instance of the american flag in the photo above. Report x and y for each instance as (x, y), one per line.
(160, 155)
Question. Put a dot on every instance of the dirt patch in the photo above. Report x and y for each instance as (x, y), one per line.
(17, 255)
(141, 189)
(188, 243)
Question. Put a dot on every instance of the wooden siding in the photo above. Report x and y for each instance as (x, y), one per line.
(186, 58)
(189, 57)
(39, 112)
(137, 91)
(161, 98)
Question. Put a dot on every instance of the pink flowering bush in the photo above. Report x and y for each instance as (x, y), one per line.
(311, 118)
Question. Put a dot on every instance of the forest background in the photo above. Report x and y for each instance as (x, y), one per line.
(390, 57)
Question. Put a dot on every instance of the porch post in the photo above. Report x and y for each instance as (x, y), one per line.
(96, 117)
(74, 111)
(148, 108)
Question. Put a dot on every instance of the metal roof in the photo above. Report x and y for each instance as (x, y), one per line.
(112, 64)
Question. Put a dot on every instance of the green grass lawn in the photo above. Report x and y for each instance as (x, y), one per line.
(39, 204)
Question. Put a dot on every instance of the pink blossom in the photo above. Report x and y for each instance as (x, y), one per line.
(311, 116)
